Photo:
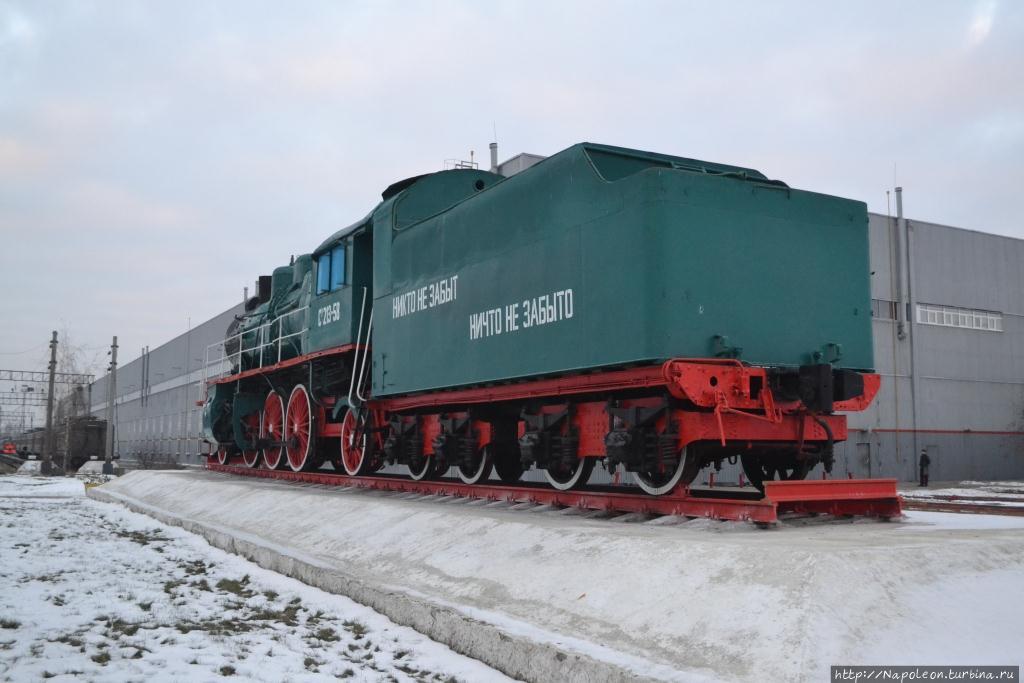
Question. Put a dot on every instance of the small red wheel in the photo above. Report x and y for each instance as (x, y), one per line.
(223, 455)
(360, 444)
(272, 429)
(353, 445)
(251, 424)
(298, 429)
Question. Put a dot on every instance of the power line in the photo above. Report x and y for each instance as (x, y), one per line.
(18, 353)
(42, 376)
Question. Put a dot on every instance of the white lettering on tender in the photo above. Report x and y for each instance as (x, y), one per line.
(541, 310)
(428, 296)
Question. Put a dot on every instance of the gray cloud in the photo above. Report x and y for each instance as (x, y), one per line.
(156, 157)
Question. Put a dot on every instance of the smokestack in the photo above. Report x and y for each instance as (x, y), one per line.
(494, 157)
(245, 294)
(263, 288)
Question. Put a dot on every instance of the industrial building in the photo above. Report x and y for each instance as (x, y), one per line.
(156, 415)
(948, 323)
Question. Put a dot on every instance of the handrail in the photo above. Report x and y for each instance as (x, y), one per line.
(359, 339)
(218, 362)
(366, 353)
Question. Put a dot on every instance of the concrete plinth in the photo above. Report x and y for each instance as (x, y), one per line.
(556, 595)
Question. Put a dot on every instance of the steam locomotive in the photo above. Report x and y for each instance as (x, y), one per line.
(648, 313)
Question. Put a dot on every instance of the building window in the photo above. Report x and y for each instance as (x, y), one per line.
(883, 309)
(951, 316)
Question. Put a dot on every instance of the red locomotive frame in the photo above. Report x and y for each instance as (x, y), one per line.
(716, 400)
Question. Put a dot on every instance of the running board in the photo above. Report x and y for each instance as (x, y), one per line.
(846, 497)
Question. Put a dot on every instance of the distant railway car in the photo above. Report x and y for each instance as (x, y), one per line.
(75, 441)
(81, 439)
(31, 442)
(647, 312)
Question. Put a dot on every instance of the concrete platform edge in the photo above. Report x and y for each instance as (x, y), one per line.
(517, 656)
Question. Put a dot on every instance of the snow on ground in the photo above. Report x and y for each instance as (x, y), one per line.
(39, 487)
(990, 492)
(92, 591)
(919, 520)
(676, 600)
(30, 467)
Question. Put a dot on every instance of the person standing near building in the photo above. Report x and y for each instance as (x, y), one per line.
(923, 464)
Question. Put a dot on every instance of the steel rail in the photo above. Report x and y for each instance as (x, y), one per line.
(963, 507)
(873, 498)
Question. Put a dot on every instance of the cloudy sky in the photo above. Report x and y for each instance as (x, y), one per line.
(155, 157)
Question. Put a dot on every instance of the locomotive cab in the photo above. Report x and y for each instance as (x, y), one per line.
(343, 271)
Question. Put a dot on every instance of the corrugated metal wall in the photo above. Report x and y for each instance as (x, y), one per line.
(157, 415)
(955, 391)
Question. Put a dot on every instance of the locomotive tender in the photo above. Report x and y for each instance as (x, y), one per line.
(649, 312)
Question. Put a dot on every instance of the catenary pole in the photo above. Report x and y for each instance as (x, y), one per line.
(47, 465)
(108, 464)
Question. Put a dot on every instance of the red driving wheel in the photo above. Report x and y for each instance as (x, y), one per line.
(272, 429)
(298, 429)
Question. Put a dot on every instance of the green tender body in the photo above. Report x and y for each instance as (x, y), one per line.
(664, 258)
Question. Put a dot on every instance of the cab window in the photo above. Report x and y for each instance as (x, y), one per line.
(337, 267)
(330, 270)
(323, 274)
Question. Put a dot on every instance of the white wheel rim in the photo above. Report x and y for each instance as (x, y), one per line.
(573, 481)
(428, 464)
(222, 455)
(288, 428)
(667, 486)
(263, 433)
(485, 459)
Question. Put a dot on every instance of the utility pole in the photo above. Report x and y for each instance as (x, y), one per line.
(47, 464)
(186, 423)
(108, 464)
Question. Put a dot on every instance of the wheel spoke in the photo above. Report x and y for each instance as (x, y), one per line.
(252, 423)
(272, 429)
(353, 445)
(299, 433)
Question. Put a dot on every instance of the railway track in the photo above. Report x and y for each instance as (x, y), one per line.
(838, 497)
(963, 506)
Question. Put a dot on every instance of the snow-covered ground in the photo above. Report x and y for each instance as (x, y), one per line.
(91, 591)
(989, 492)
(667, 598)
